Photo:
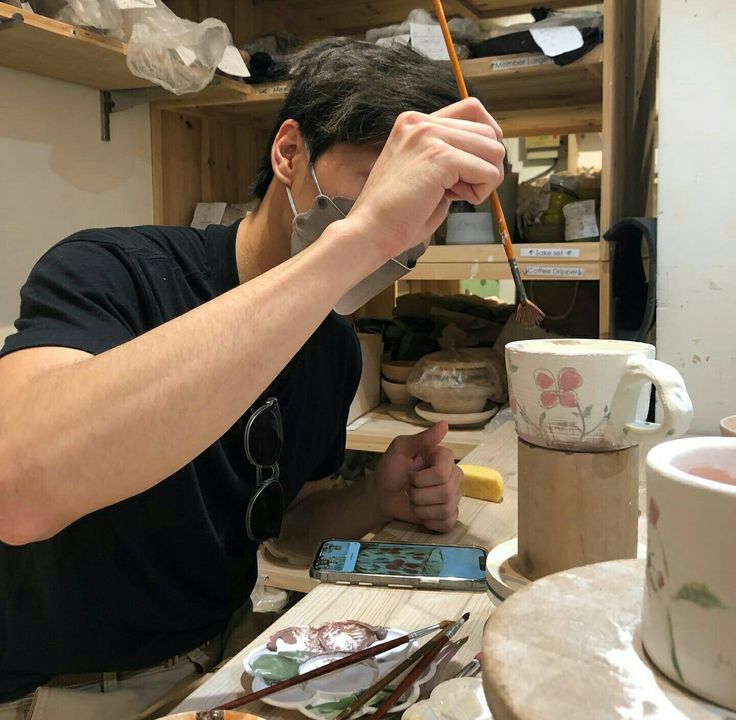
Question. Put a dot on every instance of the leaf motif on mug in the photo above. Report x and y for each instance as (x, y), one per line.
(586, 412)
(700, 594)
(605, 409)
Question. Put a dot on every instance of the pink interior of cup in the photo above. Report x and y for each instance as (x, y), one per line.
(710, 463)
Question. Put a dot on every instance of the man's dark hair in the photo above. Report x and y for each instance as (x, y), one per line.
(352, 91)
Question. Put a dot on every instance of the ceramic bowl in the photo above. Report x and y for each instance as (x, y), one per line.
(397, 371)
(728, 426)
(397, 393)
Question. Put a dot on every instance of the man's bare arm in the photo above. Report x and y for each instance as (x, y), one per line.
(78, 433)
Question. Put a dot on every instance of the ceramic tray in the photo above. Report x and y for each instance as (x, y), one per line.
(325, 697)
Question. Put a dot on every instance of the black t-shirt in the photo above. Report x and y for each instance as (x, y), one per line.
(159, 573)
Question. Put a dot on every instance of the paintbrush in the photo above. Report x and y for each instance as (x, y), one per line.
(527, 313)
(436, 645)
(384, 681)
(471, 668)
(336, 665)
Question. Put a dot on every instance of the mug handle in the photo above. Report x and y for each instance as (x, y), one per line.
(677, 408)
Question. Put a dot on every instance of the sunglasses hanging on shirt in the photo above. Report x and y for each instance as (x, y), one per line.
(263, 440)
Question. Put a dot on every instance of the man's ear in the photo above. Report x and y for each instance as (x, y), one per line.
(288, 152)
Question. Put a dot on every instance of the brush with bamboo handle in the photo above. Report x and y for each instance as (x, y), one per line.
(527, 313)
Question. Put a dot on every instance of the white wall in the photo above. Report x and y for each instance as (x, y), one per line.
(696, 296)
(57, 176)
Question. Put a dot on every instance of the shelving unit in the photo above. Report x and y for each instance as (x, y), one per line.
(375, 430)
(206, 146)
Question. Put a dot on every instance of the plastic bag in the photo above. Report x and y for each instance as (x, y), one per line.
(177, 54)
(459, 381)
(101, 15)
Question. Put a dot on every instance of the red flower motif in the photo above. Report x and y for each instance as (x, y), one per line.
(660, 579)
(653, 511)
(560, 390)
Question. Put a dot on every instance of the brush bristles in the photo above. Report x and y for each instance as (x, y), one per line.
(528, 314)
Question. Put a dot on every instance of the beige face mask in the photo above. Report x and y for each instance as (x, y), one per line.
(310, 225)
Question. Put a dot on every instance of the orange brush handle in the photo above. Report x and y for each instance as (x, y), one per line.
(496, 209)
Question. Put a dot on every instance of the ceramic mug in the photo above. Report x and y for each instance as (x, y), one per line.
(592, 395)
(689, 611)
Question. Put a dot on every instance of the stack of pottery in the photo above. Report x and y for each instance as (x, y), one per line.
(580, 408)
(461, 387)
(393, 381)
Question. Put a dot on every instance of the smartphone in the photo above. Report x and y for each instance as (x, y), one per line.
(405, 565)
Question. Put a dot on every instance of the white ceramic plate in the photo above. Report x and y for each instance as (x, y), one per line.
(424, 410)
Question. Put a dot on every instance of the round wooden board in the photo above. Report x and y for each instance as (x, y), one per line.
(568, 647)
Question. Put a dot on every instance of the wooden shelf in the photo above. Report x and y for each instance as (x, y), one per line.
(352, 17)
(531, 100)
(541, 261)
(375, 431)
(61, 51)
(58, 50)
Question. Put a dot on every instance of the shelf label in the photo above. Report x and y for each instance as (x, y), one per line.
(513, 63)
(277, 89)
(552, 271)
(538, 252)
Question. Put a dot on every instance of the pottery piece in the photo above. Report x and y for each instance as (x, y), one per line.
(397, 393)
(424, 410)
(689, 611)
(592, 395)
(397, 371)
(456, 381)
(728, 426)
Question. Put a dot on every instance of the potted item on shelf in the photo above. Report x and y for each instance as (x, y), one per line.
(458, 381)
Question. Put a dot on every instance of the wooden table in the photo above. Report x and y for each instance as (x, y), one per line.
(480, 523)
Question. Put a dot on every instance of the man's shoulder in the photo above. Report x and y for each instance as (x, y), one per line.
(147, 240)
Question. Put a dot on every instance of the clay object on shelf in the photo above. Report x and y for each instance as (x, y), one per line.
(456, 381)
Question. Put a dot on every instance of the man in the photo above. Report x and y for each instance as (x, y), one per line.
(129, 514)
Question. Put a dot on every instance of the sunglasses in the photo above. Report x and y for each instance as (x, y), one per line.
(264, 439)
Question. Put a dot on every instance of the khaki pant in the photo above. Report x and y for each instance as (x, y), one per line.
(136, 695)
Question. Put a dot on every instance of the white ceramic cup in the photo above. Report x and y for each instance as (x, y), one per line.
(689, 612)
(592, 395)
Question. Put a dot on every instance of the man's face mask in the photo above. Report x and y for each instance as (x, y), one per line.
(310, 225)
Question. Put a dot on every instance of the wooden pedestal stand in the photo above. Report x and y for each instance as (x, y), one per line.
(575, 508)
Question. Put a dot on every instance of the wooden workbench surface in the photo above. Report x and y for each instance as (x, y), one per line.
(480, 523)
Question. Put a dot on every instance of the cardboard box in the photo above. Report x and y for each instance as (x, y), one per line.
(369, 388)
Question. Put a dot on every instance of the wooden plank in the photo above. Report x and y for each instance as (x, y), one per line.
(494, 253)
(181, 176)
(615, 111)
(374, 432)
(604, 303)
(157, 167)
(58, 50)
(550, 121)
(500, 271)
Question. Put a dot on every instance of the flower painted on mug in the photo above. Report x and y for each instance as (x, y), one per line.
(660, 579)
(653, 514)
(558, 390)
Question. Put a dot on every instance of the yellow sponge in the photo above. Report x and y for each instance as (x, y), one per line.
(482, 483)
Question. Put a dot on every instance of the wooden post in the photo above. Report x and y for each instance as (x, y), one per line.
(575, 508)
